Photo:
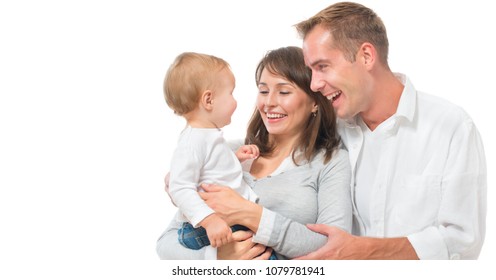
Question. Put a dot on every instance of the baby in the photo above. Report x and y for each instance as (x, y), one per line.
(199, 88)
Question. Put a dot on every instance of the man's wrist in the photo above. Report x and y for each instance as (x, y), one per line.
(387, 248)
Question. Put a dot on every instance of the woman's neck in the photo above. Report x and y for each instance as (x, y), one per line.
(283, 145)
(267, 164)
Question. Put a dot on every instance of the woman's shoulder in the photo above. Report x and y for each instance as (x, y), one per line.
(338, 168)
(338, 155)
(339, 160)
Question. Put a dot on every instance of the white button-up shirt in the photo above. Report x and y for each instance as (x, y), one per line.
(431, 178)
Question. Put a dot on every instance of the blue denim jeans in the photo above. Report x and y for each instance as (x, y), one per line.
(196, 238)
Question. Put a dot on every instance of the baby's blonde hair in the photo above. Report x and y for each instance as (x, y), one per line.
(188, 77)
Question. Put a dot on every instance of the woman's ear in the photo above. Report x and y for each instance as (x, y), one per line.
(207, 100)
(315, 108)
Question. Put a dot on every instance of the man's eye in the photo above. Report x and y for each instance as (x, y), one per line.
(263, 91)
(284, 92)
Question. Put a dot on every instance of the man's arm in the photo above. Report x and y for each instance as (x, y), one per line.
(344, 246)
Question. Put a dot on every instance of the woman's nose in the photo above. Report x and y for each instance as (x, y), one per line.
(270, 99)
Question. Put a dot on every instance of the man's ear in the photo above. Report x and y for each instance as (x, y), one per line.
(367, 55)
(207, 99)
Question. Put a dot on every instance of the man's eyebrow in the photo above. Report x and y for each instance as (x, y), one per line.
(318, 62)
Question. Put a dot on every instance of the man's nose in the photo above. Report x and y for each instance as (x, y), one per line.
(317, 83)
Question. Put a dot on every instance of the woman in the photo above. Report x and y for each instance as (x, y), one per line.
(301, 175)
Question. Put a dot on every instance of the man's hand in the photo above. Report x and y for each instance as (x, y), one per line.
(344, 246)
(337, 247)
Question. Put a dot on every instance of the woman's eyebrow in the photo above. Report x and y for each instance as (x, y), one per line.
(278, 84)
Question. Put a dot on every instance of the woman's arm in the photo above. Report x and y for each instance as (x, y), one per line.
(287, 237)
(293, 239)
(242, 247)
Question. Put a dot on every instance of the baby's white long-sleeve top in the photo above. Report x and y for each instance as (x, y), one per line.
(203, 156)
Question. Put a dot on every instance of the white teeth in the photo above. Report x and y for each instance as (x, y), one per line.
(334, 95)
(275, 116)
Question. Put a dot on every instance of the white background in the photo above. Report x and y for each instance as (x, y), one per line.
(86, 137)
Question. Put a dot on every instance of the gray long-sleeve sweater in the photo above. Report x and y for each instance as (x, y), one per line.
(313, 192)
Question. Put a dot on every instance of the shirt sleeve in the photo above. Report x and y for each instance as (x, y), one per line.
(184, 180)
(235, 144)
(292, 239)
(460, 230)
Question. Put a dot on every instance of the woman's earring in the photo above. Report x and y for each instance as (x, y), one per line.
(314, 113)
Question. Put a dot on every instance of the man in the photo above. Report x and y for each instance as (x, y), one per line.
(419, 170)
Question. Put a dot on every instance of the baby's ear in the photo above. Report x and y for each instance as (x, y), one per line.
(207, 99)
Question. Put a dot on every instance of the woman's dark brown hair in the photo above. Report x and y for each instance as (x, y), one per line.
(320, 132)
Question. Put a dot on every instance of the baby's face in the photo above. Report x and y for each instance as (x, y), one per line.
(223, 101)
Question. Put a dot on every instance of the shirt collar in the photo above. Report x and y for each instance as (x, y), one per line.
(408, 99)
(286, 164)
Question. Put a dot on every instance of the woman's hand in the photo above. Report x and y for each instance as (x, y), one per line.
(243, 248)
(231, 207)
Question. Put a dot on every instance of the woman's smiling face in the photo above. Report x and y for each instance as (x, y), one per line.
(284, 107)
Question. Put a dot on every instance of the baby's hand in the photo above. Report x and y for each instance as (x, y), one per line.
(218, 232)
(247, 152)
